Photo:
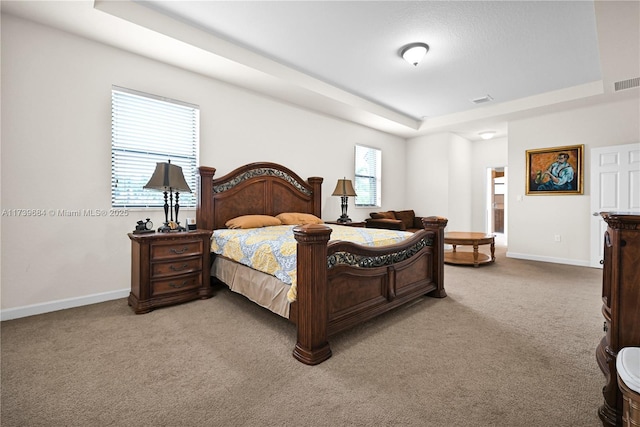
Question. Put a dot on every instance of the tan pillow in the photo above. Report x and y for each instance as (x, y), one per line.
(298, 218)
(382, 215)
(252, 221)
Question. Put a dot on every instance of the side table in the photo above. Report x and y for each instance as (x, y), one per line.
(474, 239)
(169, 268)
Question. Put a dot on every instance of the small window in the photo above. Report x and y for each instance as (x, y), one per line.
(368, 175)
(145, 130)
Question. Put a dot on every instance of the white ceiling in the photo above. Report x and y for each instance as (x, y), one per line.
(342, 58)
(507, 49)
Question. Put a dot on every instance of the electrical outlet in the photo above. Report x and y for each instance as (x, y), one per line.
(557, 238)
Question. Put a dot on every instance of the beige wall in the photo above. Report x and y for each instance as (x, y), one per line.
(56, 136)
(56, 155)
(438, 178)
(433, 162)
(485, 154)
(447, 176)
(535, 220)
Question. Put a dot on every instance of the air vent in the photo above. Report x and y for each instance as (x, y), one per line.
(627, 84)
(482, 100)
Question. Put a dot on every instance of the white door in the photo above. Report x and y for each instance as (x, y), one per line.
(615, 187)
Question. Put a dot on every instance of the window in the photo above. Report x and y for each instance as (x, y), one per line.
(368, 173)
(145, 130)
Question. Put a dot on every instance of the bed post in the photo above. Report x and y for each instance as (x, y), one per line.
(437, 224)
(205, 198)
(312, 346)
(316, 184)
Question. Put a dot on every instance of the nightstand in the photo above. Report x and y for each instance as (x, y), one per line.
(169, 268)
(348, 224)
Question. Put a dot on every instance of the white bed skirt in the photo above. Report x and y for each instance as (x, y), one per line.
(261, 288)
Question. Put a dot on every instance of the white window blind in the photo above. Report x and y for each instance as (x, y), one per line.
(145, 130)
(368, 176)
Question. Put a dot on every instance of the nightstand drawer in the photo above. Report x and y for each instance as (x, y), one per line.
(176, 249)
(177, 266)
(176, 284)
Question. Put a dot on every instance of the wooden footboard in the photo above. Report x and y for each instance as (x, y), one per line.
(342, 284)
(339, 284)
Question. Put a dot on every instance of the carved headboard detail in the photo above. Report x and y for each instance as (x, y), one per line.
(261, 188)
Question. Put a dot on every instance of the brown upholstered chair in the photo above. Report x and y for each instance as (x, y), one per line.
(395, 220)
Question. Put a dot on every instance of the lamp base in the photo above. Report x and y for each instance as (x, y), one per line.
(171, 227)
(343, 219)
(165, 228)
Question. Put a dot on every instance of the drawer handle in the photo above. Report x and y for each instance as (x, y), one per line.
(179, 251)
(174, 268)
(177, 286)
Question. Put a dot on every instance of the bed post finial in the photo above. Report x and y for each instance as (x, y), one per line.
(316, 184)
(205, 201)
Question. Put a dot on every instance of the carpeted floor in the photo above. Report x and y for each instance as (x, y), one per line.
(513, 344)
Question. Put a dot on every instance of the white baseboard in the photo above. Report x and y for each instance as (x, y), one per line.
(46, 307)
(548, 259)
(32, 310)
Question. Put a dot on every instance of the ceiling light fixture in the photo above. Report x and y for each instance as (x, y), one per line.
(487, 134)
(414, 52)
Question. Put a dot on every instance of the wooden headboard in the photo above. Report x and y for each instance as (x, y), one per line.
(255, 189)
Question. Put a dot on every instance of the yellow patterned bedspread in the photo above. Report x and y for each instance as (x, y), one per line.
(272, 250)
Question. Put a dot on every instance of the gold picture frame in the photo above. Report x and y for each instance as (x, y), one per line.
(555, 171)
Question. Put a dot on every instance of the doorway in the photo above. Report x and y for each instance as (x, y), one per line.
(496, 203)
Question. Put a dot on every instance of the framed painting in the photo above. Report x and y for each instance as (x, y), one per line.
(555, 171)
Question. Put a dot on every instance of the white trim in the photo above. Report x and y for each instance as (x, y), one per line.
(579, 263)
(156, 97)
(46, 307)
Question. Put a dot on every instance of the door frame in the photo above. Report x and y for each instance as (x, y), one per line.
(489, 200)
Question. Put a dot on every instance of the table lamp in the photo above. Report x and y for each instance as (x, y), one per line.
(344, 189)
(169, 178)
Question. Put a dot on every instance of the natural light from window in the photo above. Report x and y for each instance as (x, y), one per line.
(148, 129)
(368, 167)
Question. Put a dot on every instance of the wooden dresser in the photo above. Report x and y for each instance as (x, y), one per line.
(169, 268)
(621, 305)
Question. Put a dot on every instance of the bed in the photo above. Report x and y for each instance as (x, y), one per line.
(339, 284)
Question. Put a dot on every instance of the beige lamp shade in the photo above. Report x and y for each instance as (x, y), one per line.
(344, 187)
(168, 177)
